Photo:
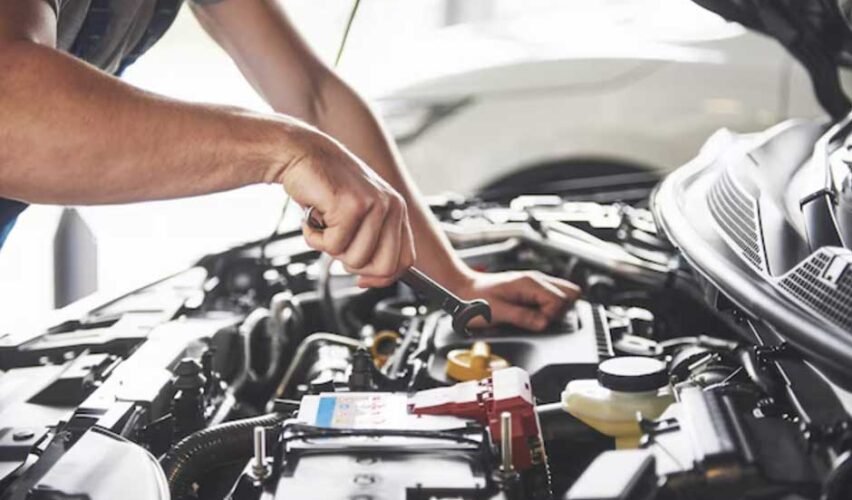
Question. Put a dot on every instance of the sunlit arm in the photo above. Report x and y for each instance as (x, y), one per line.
(70, 134)
(279, 64)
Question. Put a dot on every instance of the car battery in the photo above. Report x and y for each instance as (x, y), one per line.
(434, 443)
(377, 449)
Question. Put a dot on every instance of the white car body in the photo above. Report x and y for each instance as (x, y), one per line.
(593, 82)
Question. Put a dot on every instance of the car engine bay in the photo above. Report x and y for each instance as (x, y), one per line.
(263, 372)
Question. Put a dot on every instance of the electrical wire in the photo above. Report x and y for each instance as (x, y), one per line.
(346, 31)
(276, 230)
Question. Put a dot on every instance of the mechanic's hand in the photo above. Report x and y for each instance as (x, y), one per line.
(366, 221)
(527, 299)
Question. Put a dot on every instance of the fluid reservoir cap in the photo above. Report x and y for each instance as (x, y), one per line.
(633, 374)
(475, 363)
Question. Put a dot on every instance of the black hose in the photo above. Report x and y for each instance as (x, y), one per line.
(752, 367)
(199, 452)
(839, 481)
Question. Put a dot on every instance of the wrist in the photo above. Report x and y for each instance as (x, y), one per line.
(286, 142)
(461, 278)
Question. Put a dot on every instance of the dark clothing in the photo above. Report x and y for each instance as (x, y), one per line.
(109, 34)
(105, 33)
(9, 211)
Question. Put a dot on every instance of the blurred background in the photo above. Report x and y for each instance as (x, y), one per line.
(478, 93)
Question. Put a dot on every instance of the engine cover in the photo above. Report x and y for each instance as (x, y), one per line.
(567, 351)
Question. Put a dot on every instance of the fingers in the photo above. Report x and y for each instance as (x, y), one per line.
(366, 221)
(384, 259)
(382, 247)
(571, 291)
(407, 257)
(313, 237)
(528, 318)
(535, 290)
(362, 247)
(528, 300)
(341, 226)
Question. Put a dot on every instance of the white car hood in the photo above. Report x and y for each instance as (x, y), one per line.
(629, 34)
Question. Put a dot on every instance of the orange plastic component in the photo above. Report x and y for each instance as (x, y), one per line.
(378, 348)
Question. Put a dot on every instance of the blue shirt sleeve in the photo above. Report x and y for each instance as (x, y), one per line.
(9, 211)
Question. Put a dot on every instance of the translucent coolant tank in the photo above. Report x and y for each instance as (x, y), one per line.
(626, 387)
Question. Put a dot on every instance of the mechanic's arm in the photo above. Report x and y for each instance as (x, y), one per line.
(70, 134)
(279, 64)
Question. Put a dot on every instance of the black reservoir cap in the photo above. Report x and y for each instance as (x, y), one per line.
(633, 374)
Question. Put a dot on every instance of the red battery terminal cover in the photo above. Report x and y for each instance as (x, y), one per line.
(507, 390)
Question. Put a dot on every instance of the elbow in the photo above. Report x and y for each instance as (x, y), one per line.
(324, 87)
(308, 100)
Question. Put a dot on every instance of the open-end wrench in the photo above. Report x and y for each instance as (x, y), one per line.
(462, 311)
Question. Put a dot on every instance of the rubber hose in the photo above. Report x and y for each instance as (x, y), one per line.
(750, 364)
(839, 480)
(197, 453)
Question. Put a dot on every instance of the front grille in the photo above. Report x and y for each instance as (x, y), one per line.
(737, 216)
(824, 284)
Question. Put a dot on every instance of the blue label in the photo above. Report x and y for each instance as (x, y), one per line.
(325, 411)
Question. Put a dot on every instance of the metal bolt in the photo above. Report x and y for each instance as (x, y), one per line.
(258, 466)
(506, 441)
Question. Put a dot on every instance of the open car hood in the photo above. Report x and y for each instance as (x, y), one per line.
(760, 217)
(816, 32)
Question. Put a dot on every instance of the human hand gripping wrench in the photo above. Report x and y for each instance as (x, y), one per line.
(462, 311)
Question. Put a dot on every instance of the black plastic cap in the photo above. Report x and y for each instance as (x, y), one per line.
(188, 375)
(633, 374)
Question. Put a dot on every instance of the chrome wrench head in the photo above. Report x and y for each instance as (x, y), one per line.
(468, 311)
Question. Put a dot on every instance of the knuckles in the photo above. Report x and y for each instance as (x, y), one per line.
(356, 205)
(347, 216)
(528, 280)
(396, 200)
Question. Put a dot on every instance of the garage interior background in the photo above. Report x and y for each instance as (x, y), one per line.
(132, 244)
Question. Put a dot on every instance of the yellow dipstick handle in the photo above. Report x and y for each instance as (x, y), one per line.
(480, 356)
(475, 363)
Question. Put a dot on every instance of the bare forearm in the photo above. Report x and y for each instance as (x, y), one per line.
(283, 69)
(71, 134)
(345, 116)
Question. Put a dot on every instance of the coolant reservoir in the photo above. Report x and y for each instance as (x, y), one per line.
(626, 386)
